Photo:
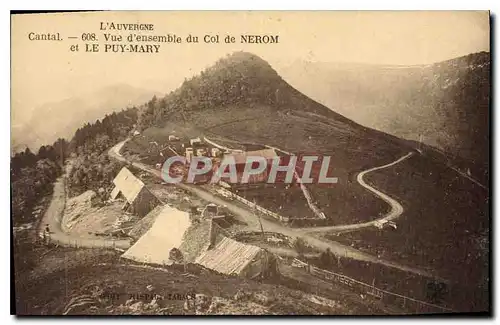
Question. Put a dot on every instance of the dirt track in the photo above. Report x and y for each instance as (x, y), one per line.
(53, 217)
(396, 208)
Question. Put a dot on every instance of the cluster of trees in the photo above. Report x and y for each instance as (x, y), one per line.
(32, 176)
(325, 260)
(99, 136)
(92, 169)
(300, 246)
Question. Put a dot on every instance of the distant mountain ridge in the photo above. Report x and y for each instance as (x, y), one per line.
(445, 104)
(51, 121)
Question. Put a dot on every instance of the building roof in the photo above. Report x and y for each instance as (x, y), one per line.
(195, 240)
(228, 256)
(128, 184)
(142, 226)
(241, 158)
(166, 233)
(174, 228)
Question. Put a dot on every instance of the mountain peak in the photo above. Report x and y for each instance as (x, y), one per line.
(242, 56)
(237, 81)
(245, 65)
(240, 77)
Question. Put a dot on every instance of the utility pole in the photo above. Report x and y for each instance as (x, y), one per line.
(258, 216)
(62, 152)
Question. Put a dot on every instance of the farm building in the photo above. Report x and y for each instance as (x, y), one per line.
(199, 241)
(201, 152)
(240, 160)
(172, 228)
(215, 152)
(166, 233)
(234, 258)
(139, 200)
(383, 224)
(210, 210)
(189, 154)
(195, 141)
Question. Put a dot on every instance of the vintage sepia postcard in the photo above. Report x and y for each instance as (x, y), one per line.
(250, 163)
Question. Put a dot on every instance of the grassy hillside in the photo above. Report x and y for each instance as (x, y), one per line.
(444, 228)
(447, 102)
(99, 283)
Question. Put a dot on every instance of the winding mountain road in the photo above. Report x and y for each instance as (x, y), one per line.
(246, 215)
(395, 211)
(54, 217)
(396, 208)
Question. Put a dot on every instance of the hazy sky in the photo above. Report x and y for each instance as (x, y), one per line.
(47, 71)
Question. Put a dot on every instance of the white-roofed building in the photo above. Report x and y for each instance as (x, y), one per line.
(139, 200)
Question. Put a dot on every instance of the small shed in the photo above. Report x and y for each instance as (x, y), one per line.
(235, 258)
(201, 152)
(215, 152)
(383, 224)
(210, 210)
(195, 141)
(139, 200)
(241, 159)
(166, 233)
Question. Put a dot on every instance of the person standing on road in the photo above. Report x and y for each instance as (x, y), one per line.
(46, 234)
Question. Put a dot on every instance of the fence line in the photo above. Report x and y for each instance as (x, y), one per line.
(207, 140)
(372, 290)
(259, 208)
(219, 229)
(319, 214)
(253, 205)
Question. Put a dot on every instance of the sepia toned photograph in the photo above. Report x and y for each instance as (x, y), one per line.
(250, 163)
